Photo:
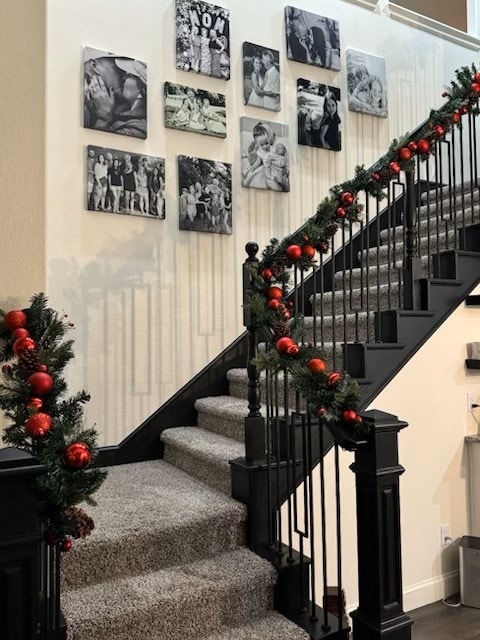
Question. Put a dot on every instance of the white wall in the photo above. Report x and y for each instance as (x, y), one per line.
(154, 304)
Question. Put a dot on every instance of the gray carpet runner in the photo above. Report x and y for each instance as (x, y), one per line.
(167, 559)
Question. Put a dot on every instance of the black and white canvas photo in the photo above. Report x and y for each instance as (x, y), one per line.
(312, 39)
(318, 115)
(203, 38)
(261, 77)
(125, 182)
(367, 83)
(205, 195)
(195, 110)
(115, 93)
(265, 155)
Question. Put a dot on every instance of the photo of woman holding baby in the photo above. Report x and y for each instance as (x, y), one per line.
(265, 155)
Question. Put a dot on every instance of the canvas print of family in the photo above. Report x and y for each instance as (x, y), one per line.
(261, 77)
(312, 39)
(265, 155)
(123, 182)
(205, 195)
(115, 93)
(367, 82)
(317, 115)
(203, 38)
(195, 110)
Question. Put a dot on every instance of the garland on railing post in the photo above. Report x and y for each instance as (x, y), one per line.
(332, 395)
(46, 423)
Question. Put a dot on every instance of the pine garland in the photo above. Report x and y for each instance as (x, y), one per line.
(62, 444)
(334, 397)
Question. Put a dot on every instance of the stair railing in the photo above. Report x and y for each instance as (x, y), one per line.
(336, 306)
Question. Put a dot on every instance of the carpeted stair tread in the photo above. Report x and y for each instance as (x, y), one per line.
(269, 627)
(190, 600)
(151, 515)
(203, 454)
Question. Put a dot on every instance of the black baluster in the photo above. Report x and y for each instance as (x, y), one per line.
(412, 263)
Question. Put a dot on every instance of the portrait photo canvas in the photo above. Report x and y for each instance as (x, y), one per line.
(115, 93)
(205, 195)
(195, 110)
(367, 84)
(265, 152)
(261, 77)
(125, 182)
(202, 38)
(318, 117)
(312, 39)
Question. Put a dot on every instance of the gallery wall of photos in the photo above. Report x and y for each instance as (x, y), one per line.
(115, 101)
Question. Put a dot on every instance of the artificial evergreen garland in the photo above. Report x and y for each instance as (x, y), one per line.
(44, 422)
(333, 396)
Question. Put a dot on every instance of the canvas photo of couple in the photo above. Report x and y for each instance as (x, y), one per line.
(261, 77)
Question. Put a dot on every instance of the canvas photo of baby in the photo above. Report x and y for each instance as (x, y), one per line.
(265, 155)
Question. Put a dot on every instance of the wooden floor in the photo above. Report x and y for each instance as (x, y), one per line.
(438, 622)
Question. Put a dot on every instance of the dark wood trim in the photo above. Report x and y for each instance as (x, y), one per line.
(472, 301)
(472, 364)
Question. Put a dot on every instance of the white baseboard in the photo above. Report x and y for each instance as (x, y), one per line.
(428, 591)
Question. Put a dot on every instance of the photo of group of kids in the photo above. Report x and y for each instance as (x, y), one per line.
(317, 115)
(366, 81)
(122, 182)
(195, 110)
(205, 195)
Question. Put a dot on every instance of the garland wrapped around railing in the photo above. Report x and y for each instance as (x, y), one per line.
(331, 395)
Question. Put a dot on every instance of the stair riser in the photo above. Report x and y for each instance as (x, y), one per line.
(338, 326)
(385, 254)
(231, 427)
(388, 299)
(426, 229)
(216, 476)
(375, 276)
(445, 193)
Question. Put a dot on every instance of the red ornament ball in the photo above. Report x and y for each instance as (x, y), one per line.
(20, 333)
(308, 251)
(34, 405)
(41, 383)
(476, 77)
(324, 247)
(349, 415)
(77, 455)
(375, 176)
(347, 198)
(404, 154)
(15, 319)
(341, 213)
(475, 87)
(394, 167)
(439, 131)
(463, 110)
(266, 274)
(293, 349)
(293, 252)
(273, 304)
(23, 344)
(316, 365)
(38, 425)
(456, 117)
(66, 545)
(286, 314)
(283, 344)
(423, 146)
(274, 293)
(333, 379)
(42, 367)
(412, 146)
(322, 412)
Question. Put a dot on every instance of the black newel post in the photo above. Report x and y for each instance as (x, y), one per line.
(380, 612)
(412, 264)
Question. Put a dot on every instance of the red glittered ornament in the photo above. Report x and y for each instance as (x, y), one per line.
(456, 117)
(273, 304)
(34, 405)
(274, 293)
(412, 146)
(324, 247)
(308, 251)
(341, 213)
(20, 333)
(475, 87)
(439, 131)
(66, 545)
(423, 146)
(41, 383)
(38, 425)
(15, 319)
(375, 176)
(333, 379)
(23, 344)
(316, 365)
(293, 349)
(404, 154)
(349, 415)
(77, 455)
(266, 274)
(322, 412)
(283, 344)
(394, 167)
(42, 367)
(476, 77)
(293, 252)
(286, 315)
(347, 198)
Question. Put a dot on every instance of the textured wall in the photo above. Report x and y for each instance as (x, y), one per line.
(154, 304)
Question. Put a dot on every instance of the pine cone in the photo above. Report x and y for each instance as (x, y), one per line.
(84, 524)
(331, 229)
(280, 330)
(28, 363)
(278, 267)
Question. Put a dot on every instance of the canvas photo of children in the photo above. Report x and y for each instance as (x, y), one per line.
(367, 84)
(265, 152)
(195, 110)
(318, 116)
